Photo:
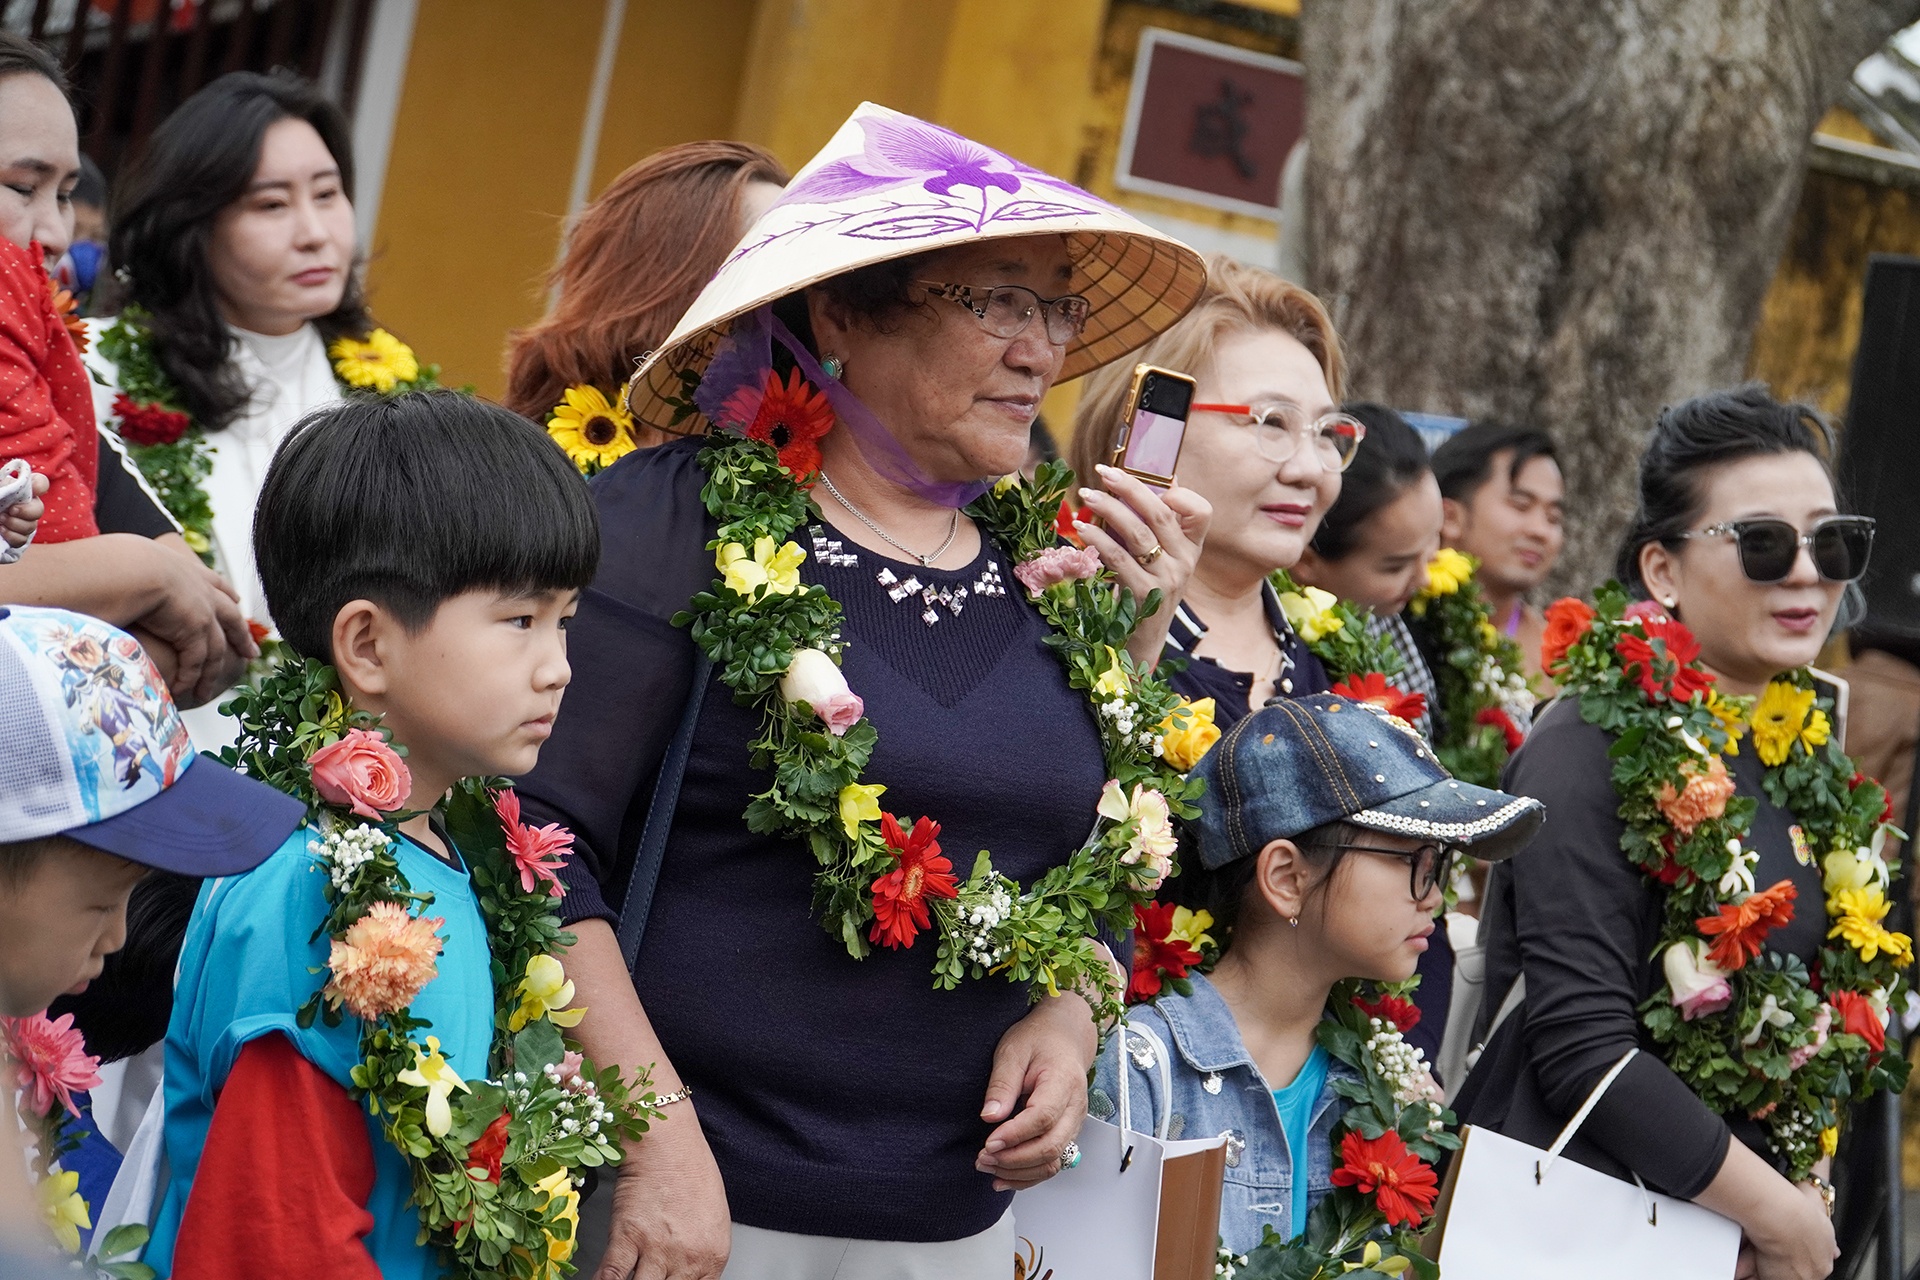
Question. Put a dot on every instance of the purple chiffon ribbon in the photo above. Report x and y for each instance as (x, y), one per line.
(742, 363)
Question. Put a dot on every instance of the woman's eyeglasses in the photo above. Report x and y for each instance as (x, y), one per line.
(1005, 310)
(1768, 547)
(1278, 430)
(1428, 866)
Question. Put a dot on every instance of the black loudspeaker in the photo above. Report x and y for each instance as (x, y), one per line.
(1880, 448)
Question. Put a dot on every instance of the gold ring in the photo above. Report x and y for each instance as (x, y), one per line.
(1148, 557)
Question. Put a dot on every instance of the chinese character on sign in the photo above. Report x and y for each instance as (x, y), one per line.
(1220, 127)
(1210, 123)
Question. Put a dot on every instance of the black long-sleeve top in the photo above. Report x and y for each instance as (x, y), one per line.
(840, 1097)
(1581, 922)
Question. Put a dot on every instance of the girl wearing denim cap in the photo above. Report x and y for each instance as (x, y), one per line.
(1323, 840)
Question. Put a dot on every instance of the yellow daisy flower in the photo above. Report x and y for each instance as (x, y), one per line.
(1448, 571)
(1731, 717)
(1860, 912)
(595, 431)
(1818, 730)
(381, 362)
(1778, 719)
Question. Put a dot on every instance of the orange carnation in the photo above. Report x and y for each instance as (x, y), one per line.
(382, 961)
(1743, 927)
(1705, 796)
(1567, 620)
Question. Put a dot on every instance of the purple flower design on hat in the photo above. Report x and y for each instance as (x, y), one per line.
(900, 150)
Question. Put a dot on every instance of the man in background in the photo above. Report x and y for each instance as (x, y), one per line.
(1502, 494)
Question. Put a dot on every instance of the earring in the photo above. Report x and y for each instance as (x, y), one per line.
(833, 366)
(1671, 604)
(1293, 922)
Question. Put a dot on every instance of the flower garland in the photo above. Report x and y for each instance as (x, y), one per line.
(1751, 1031)
(881, 879)
(175, 453)
(1385, 1145)
(1480, 675)
(494, 1159)
(594, 429)
(1357, 660)
(45, 1062)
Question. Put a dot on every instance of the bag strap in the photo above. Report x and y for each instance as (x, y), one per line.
(638, 902)
(1516, 996)
(1580, 1116)
(1158, 1049)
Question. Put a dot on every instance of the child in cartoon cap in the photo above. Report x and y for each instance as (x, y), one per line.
(1324, 839)
(98, 784)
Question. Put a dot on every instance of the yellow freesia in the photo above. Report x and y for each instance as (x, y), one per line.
(775, 569)
(431, 1072)
(859, 802)
(1310, 612)
(558, 1185)
(1005, 484)
(196, 541)
(1371, 1260)
(1191, 927)
(1853, 869)
(1830, 1141)
(1113, 682)
(1778, 718)
(65, 1210)
(545, 992)
(382, 362)
(1860, 912)
(1184, 740)
(1489, 635)
(1448, 571)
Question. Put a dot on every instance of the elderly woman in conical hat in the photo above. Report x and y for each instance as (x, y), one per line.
(863, 772)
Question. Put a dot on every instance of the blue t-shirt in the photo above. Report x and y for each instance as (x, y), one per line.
(1296, 1103)
(245, 970)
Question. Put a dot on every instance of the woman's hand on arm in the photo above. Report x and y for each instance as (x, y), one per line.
(1788, 1233)
(1044, 1058)
(1138, 520)
(670, 1217)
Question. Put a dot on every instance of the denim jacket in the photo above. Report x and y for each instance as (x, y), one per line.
(1216, 1089)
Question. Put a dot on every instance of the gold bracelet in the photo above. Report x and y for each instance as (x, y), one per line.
(1825, 1189)
(681, 1094)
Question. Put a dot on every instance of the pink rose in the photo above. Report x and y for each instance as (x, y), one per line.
(1057, 564)
(363, 772)
(814, 678)
(840, 712)
(1699, 985)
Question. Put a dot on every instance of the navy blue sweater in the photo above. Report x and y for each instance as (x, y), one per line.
(841, 1097)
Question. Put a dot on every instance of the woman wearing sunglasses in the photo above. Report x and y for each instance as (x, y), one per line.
(1739, 536)
(1265, 445)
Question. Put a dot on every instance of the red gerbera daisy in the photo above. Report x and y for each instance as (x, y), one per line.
(1404, 1014)
(536, 851)
(1743, 927)
(792, 418)
(1157, 955)
(1402, 1184)
(1064, 518)
(1642, 662)
(1504, 723)
(900, 896)
(1373, 688)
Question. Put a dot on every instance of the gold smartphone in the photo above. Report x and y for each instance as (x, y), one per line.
(1154, 425)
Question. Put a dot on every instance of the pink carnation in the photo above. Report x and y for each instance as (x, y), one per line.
(363, 772)
(536, 851)
(1057, 564)
(50, 1061)
(382, 961)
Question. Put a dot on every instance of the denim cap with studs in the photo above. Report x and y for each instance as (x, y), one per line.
(1301, 763)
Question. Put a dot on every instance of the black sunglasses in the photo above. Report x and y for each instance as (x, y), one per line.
(1768, 547)
(1428, 867)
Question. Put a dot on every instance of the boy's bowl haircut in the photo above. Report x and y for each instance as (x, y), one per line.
(409, 501)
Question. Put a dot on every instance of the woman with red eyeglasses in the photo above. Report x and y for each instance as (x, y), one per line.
(1599, 944)
(1265, 445)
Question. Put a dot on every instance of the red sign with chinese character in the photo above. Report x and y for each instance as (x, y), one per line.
(1211, 122)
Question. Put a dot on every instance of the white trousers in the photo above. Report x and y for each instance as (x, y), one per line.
(759, 1254)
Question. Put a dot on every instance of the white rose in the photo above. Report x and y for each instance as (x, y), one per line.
(812, 677)
(1699, 985)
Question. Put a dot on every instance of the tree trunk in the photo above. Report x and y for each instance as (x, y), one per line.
(1564, 214)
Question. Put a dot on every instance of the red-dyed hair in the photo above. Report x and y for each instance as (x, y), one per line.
(636, 259)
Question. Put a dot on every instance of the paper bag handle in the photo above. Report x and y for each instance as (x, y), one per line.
(1159, 1052)
(1579, 1117)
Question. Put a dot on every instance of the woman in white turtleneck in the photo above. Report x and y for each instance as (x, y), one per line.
(235, 238)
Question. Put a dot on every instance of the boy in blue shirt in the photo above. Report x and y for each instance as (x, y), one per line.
(430, 547)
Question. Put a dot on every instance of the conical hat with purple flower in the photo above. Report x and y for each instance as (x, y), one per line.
(888, 186)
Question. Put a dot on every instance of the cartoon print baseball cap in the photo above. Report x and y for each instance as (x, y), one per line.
(1300, 763)
(92, 748)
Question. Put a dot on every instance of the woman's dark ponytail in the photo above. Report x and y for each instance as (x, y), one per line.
(1696, 435)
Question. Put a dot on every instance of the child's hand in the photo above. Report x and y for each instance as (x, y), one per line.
(18, 521)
